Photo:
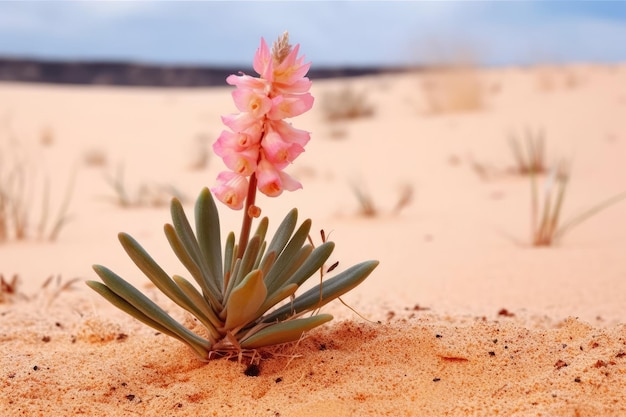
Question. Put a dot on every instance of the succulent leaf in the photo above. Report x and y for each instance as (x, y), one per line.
(190, 264)
(148, 308)
(245, 300)
(313, 263)
(282, 263)
(192, 247)
(203, 310)
(330, 289)
(244, 266)
(154, 272)
(284, 332)
(209, 235)
(284, 232)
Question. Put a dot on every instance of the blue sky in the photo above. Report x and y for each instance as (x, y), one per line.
(330, 33)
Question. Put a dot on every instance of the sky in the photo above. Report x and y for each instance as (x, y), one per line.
(331, 33)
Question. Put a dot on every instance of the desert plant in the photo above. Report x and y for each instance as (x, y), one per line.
(533, 159)
(235, 291)
(546, 216)
(240, 287)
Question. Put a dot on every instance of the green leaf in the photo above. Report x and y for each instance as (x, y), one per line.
(261, 229)
(229, 257)
(276, 297)
(283, 332)
(192, 247)
(154, 272)
(313, 263)
(245, 266)
(278, 272)
(284, 232)
(191, 265)
(202, 310)
(148, 308)
(128, 308)
(267, 262)
(209, 237)
(330, 289)
(245, 301)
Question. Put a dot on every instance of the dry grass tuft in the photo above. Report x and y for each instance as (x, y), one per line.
(546, 216)
(532, 160)
(368, 208)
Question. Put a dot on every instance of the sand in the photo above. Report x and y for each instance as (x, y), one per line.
(462, 317)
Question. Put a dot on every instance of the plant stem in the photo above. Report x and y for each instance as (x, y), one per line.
(246, 225)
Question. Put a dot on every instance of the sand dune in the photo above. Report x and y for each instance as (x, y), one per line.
(467, 318)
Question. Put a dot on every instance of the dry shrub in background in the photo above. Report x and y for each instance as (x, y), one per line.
(453, 89)
(50, 290)
(345, 104)
(145, 195)
(451, 81)
(25, 210)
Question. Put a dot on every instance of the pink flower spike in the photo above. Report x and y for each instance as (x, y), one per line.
(291, 69)
(279, 151)
(272, 181)
(242, 162)
(260, 142)
(231, 190)
(269, 182)
(290, 106)
(289, 182)
(246, 81)
(243, 122)
(252, 102)
(289, 133)
(262, 62)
